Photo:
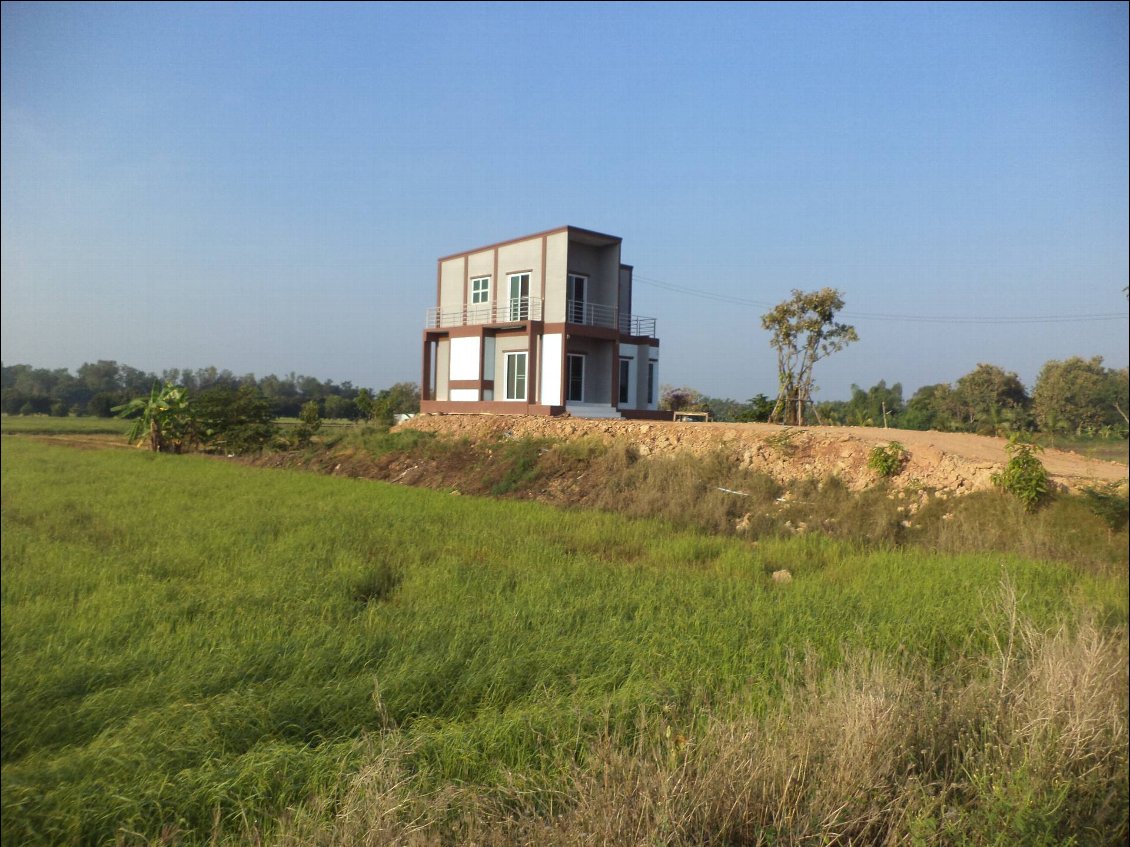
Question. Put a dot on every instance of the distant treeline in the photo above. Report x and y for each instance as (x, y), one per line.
(1071, 397)
(98, 387)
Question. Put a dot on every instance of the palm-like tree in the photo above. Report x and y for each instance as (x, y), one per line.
(163, 418)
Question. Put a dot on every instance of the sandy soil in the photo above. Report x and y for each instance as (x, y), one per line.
(954, 463)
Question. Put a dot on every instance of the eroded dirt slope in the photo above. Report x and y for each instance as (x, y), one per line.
(953, 463)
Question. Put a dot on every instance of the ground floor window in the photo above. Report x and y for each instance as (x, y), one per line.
(650, 383)
(515, 376)
(625, 372)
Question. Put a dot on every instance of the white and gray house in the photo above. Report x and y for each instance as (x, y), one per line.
(540, 325)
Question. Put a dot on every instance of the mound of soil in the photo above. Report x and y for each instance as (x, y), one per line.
(949, 463)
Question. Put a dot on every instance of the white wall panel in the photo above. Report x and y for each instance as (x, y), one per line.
(464, 358)
(551, 369)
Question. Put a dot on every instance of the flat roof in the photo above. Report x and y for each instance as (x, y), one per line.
(576, 233)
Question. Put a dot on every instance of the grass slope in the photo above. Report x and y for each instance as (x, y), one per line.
(193, 647)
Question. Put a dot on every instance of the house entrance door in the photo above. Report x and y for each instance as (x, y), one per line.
(575, 366)
(576, 299)
(519, 297)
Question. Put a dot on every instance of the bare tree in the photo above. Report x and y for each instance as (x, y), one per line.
(804, 332)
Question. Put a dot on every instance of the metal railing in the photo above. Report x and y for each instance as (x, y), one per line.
(501, 311)
(530, 309)
(590, 314)
(597, 314)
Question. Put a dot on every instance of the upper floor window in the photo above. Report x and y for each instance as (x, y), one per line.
(480, 289)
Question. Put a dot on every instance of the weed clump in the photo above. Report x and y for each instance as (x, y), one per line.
(378, 584)
(521, 458)
(1024, 475)
(887, 461)
(1109, 503)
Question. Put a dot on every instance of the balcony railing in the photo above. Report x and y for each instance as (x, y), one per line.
(502, 311)
(597, 314)
(530, 309)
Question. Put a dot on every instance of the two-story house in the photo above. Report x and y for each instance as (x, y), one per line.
(540, 325)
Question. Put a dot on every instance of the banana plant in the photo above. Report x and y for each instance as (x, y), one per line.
(164, 418)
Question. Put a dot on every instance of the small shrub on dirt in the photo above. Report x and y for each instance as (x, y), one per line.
(1024, 475)
(887, 461)
(782, 442)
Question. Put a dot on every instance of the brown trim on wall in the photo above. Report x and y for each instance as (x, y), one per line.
(565, 369)
(615, 398)
(426, 378)
(494, 407)
(471, 383)
(647, 414)
(507, 242)
(531, 365)
(459, 331)
(511, 333)
(482, 355)
(571, 230)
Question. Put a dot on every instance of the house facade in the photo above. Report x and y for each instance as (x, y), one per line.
(540, 325)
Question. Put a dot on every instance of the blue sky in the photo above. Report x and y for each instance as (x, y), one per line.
(266, 188)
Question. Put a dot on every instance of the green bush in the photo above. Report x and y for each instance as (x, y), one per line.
(1109, 503)
(1024, 475)
(887, 461)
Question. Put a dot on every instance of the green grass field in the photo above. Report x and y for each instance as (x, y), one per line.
(46, 425)
(195, 651)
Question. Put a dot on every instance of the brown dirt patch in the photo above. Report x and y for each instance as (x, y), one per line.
(951, 463)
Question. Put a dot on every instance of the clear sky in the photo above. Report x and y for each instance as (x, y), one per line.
(266, 188)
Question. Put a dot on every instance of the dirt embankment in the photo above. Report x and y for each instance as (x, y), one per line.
(949, 463)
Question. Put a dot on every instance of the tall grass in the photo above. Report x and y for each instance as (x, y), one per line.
(1027, 746)
(195, 651)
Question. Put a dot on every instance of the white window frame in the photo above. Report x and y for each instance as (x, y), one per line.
(518, 308)
(480, 293)
(512, 385)
(625, 394)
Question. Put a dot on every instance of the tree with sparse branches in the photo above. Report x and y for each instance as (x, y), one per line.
(804, 331)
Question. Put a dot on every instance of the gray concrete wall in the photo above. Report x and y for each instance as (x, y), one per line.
(598, 367)
(602, 267)
(556, 264)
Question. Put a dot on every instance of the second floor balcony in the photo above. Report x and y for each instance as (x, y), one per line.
(530, 309)
(501, 311)
(597, 314)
